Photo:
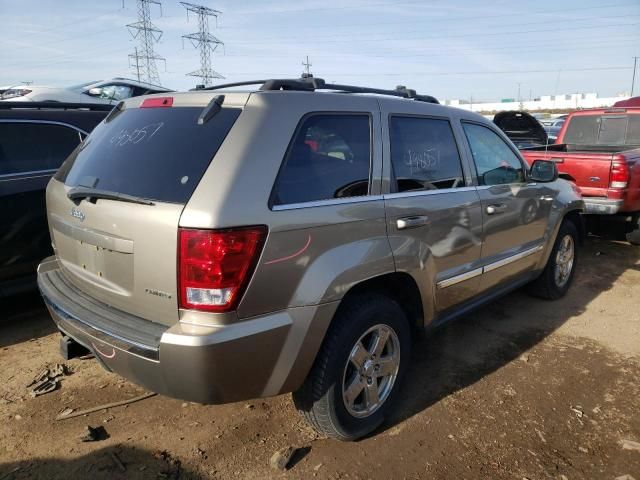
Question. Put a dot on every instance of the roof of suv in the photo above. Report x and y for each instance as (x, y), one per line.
(312, 84)
(202, 96)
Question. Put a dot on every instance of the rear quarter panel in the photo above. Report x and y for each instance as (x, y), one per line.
(313, 252)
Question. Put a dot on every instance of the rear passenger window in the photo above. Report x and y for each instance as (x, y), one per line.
(329, 157)
(424, 154)
(30, 147)
(496, 163)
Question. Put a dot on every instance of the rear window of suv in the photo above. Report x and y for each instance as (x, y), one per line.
(154, 153)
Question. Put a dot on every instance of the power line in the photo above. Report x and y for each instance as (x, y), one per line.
(426, 73)
(438, 35)
(147, 34)
(204, 41)
(450, 18)
(392, 55)
(350, 35)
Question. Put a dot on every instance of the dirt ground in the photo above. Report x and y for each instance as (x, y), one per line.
(522, 389)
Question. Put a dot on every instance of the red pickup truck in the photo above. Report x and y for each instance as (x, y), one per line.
(599, 150)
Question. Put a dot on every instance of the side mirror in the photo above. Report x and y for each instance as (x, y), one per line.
(95, 91)
(543, 171)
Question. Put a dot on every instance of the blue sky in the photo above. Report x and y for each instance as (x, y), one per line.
(450, 49)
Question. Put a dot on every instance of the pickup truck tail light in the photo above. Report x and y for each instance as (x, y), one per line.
(214, 266)
(619, 175)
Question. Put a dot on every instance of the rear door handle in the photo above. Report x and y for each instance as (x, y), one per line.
(496, 208)
(412, 222)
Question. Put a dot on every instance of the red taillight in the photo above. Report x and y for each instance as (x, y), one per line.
(214, 266)
(619, 175)
(155, 102)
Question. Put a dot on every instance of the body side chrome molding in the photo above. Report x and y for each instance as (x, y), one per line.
(459, 278)
(489, 267)
(512, 258)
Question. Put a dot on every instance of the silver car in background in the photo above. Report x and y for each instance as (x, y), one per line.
(105, 91)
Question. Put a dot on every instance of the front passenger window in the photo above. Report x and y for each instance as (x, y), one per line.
(496, 163)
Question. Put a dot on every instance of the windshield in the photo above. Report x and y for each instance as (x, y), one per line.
(81, 86)
(153, 153)
(603, 130)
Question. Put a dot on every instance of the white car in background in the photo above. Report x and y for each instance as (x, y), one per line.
(105, 91)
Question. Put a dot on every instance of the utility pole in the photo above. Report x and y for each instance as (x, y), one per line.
(520, 104)
(137, 64)
(203, 41)
(147, 34)
(307, 68)
(633, 78)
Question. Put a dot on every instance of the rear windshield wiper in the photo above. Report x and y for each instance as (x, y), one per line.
(78, 193)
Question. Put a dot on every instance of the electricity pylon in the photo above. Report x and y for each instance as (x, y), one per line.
(204, 41)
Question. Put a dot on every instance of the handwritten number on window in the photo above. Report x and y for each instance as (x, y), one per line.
(135, 136)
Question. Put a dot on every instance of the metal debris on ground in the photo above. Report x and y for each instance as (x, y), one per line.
(66, 411)
(280, 459)
(117, 461)
(93, 434)
(578, 411)
(172, 467)
(9, 474)
(105, 406)
(48, 380)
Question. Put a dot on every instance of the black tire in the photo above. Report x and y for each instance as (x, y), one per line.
(633, 235)
(320, 399)
(546, 286)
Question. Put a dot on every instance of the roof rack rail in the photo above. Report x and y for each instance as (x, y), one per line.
(100, 107)
(310, 84)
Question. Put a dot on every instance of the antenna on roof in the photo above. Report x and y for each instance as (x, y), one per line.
(307, 68)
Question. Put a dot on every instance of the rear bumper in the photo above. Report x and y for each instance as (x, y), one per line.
(602, 206)
(262, 356)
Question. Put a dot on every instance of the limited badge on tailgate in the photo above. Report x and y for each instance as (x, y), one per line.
(157, 293)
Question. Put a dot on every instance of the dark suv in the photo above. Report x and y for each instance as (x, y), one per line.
(34, 141)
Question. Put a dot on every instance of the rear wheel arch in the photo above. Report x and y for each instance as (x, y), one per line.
(398, 286)
(320, 399)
